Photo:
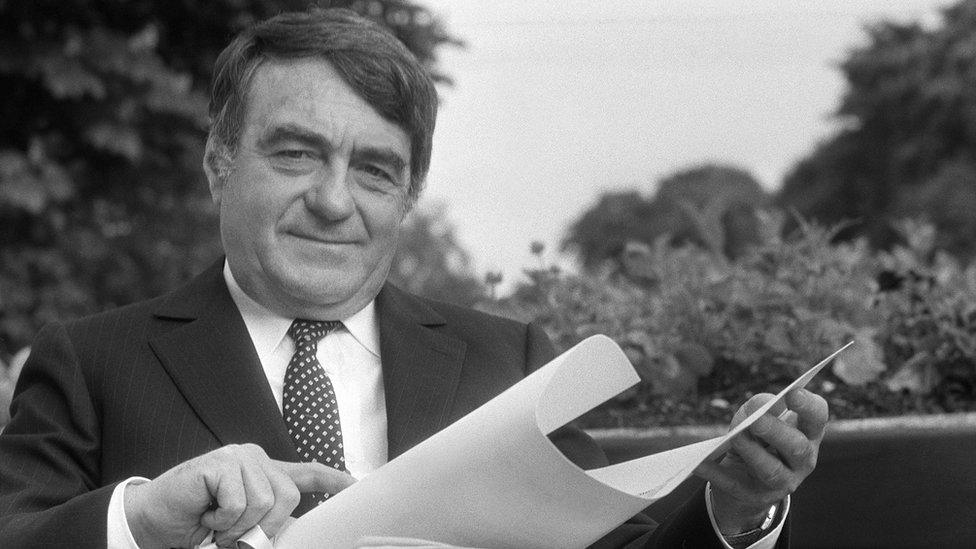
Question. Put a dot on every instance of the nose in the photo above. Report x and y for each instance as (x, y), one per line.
(329, 195)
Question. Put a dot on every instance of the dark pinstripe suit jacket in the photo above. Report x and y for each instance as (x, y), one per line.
(137, 390)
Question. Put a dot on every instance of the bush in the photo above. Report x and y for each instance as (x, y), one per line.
(705, 332)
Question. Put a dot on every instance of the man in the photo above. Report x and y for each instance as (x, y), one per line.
(240, 395)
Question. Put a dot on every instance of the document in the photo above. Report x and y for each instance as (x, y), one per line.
(493, 478)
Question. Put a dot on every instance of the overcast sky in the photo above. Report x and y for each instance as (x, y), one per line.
(555, 102)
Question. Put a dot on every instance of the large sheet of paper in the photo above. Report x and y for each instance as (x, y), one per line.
(493, 479)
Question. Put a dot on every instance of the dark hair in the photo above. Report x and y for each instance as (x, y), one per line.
(370, 59)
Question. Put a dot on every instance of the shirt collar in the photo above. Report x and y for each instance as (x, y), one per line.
(268, 328)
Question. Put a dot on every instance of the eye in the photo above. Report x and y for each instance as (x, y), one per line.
(378, 172)
(294, 154)
(294, 160)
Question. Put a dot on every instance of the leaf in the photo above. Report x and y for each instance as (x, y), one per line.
(862, 362)
(694, 358)
(666, 376)
(68, 79)
(120, 140)
(18, 187)
(31, 185)
(915, 376)
(777, 340)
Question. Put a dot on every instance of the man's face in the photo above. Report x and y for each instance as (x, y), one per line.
(311, 204)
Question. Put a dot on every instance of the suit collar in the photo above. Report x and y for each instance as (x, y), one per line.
(194, 298)
(212, 361)
(421, 368)
(267, 328)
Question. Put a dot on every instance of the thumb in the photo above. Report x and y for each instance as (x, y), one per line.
(316, 477)
(754, 404)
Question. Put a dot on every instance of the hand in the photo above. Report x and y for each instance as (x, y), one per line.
(767, 462)
(228, 490)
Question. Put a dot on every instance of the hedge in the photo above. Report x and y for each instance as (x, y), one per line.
(705, 332)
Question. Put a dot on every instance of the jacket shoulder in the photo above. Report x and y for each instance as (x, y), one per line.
(503, 338)
(458, 318)
(182, 303)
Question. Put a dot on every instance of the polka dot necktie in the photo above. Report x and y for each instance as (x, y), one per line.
(309, 401)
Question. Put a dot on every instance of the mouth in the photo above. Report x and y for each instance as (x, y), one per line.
(327, 240)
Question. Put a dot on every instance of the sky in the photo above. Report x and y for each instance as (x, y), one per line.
(556, 102)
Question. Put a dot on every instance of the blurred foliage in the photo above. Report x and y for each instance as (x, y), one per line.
(908, 143)
(705, 332)
(710, 205)
(102, 127)
(430, 261)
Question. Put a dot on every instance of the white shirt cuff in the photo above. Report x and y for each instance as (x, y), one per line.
(119, 536)
(766, 542)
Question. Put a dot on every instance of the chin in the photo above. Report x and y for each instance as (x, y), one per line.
(326, 288)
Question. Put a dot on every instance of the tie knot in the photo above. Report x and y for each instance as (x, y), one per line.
(302, 331)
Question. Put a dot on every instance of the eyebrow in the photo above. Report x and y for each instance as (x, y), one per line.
(293, 132)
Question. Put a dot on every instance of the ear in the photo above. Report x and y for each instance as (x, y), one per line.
(217, 166)
(406, 206)
(409, 198)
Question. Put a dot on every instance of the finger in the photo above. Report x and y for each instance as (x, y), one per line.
(799, 453)
(788, 417)
(316, 477)
(811, 412)
(286, 496)
(260, 499)
(227, 487)
(723, 480)
(766, 468)
(754, 403)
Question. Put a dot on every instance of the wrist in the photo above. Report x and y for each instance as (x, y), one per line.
(732, 519)
(744, 523)
(137, 518)
(749, 537)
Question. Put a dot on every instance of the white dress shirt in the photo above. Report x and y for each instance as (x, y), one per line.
(351, 358)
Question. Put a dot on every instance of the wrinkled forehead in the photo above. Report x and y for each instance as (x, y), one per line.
(309, 93)
(304, 82)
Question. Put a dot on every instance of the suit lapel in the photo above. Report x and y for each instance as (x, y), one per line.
(421, 368)
(212, 361)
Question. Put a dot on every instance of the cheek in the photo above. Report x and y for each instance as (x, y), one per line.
(385, 223)
(255, 206)
(382, 213)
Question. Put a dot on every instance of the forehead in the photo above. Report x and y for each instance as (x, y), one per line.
(309, 92)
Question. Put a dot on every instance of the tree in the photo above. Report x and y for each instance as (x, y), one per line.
(719, 205)
(909, 135)
(710, 205)
(430, 262)
(101, 136)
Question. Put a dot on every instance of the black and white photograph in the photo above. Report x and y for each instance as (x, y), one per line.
(377, 274)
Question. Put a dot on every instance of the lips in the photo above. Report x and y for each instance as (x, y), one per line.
(335, 241)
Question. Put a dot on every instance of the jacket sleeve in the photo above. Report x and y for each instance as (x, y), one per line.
(50, 493)
(686, 526)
